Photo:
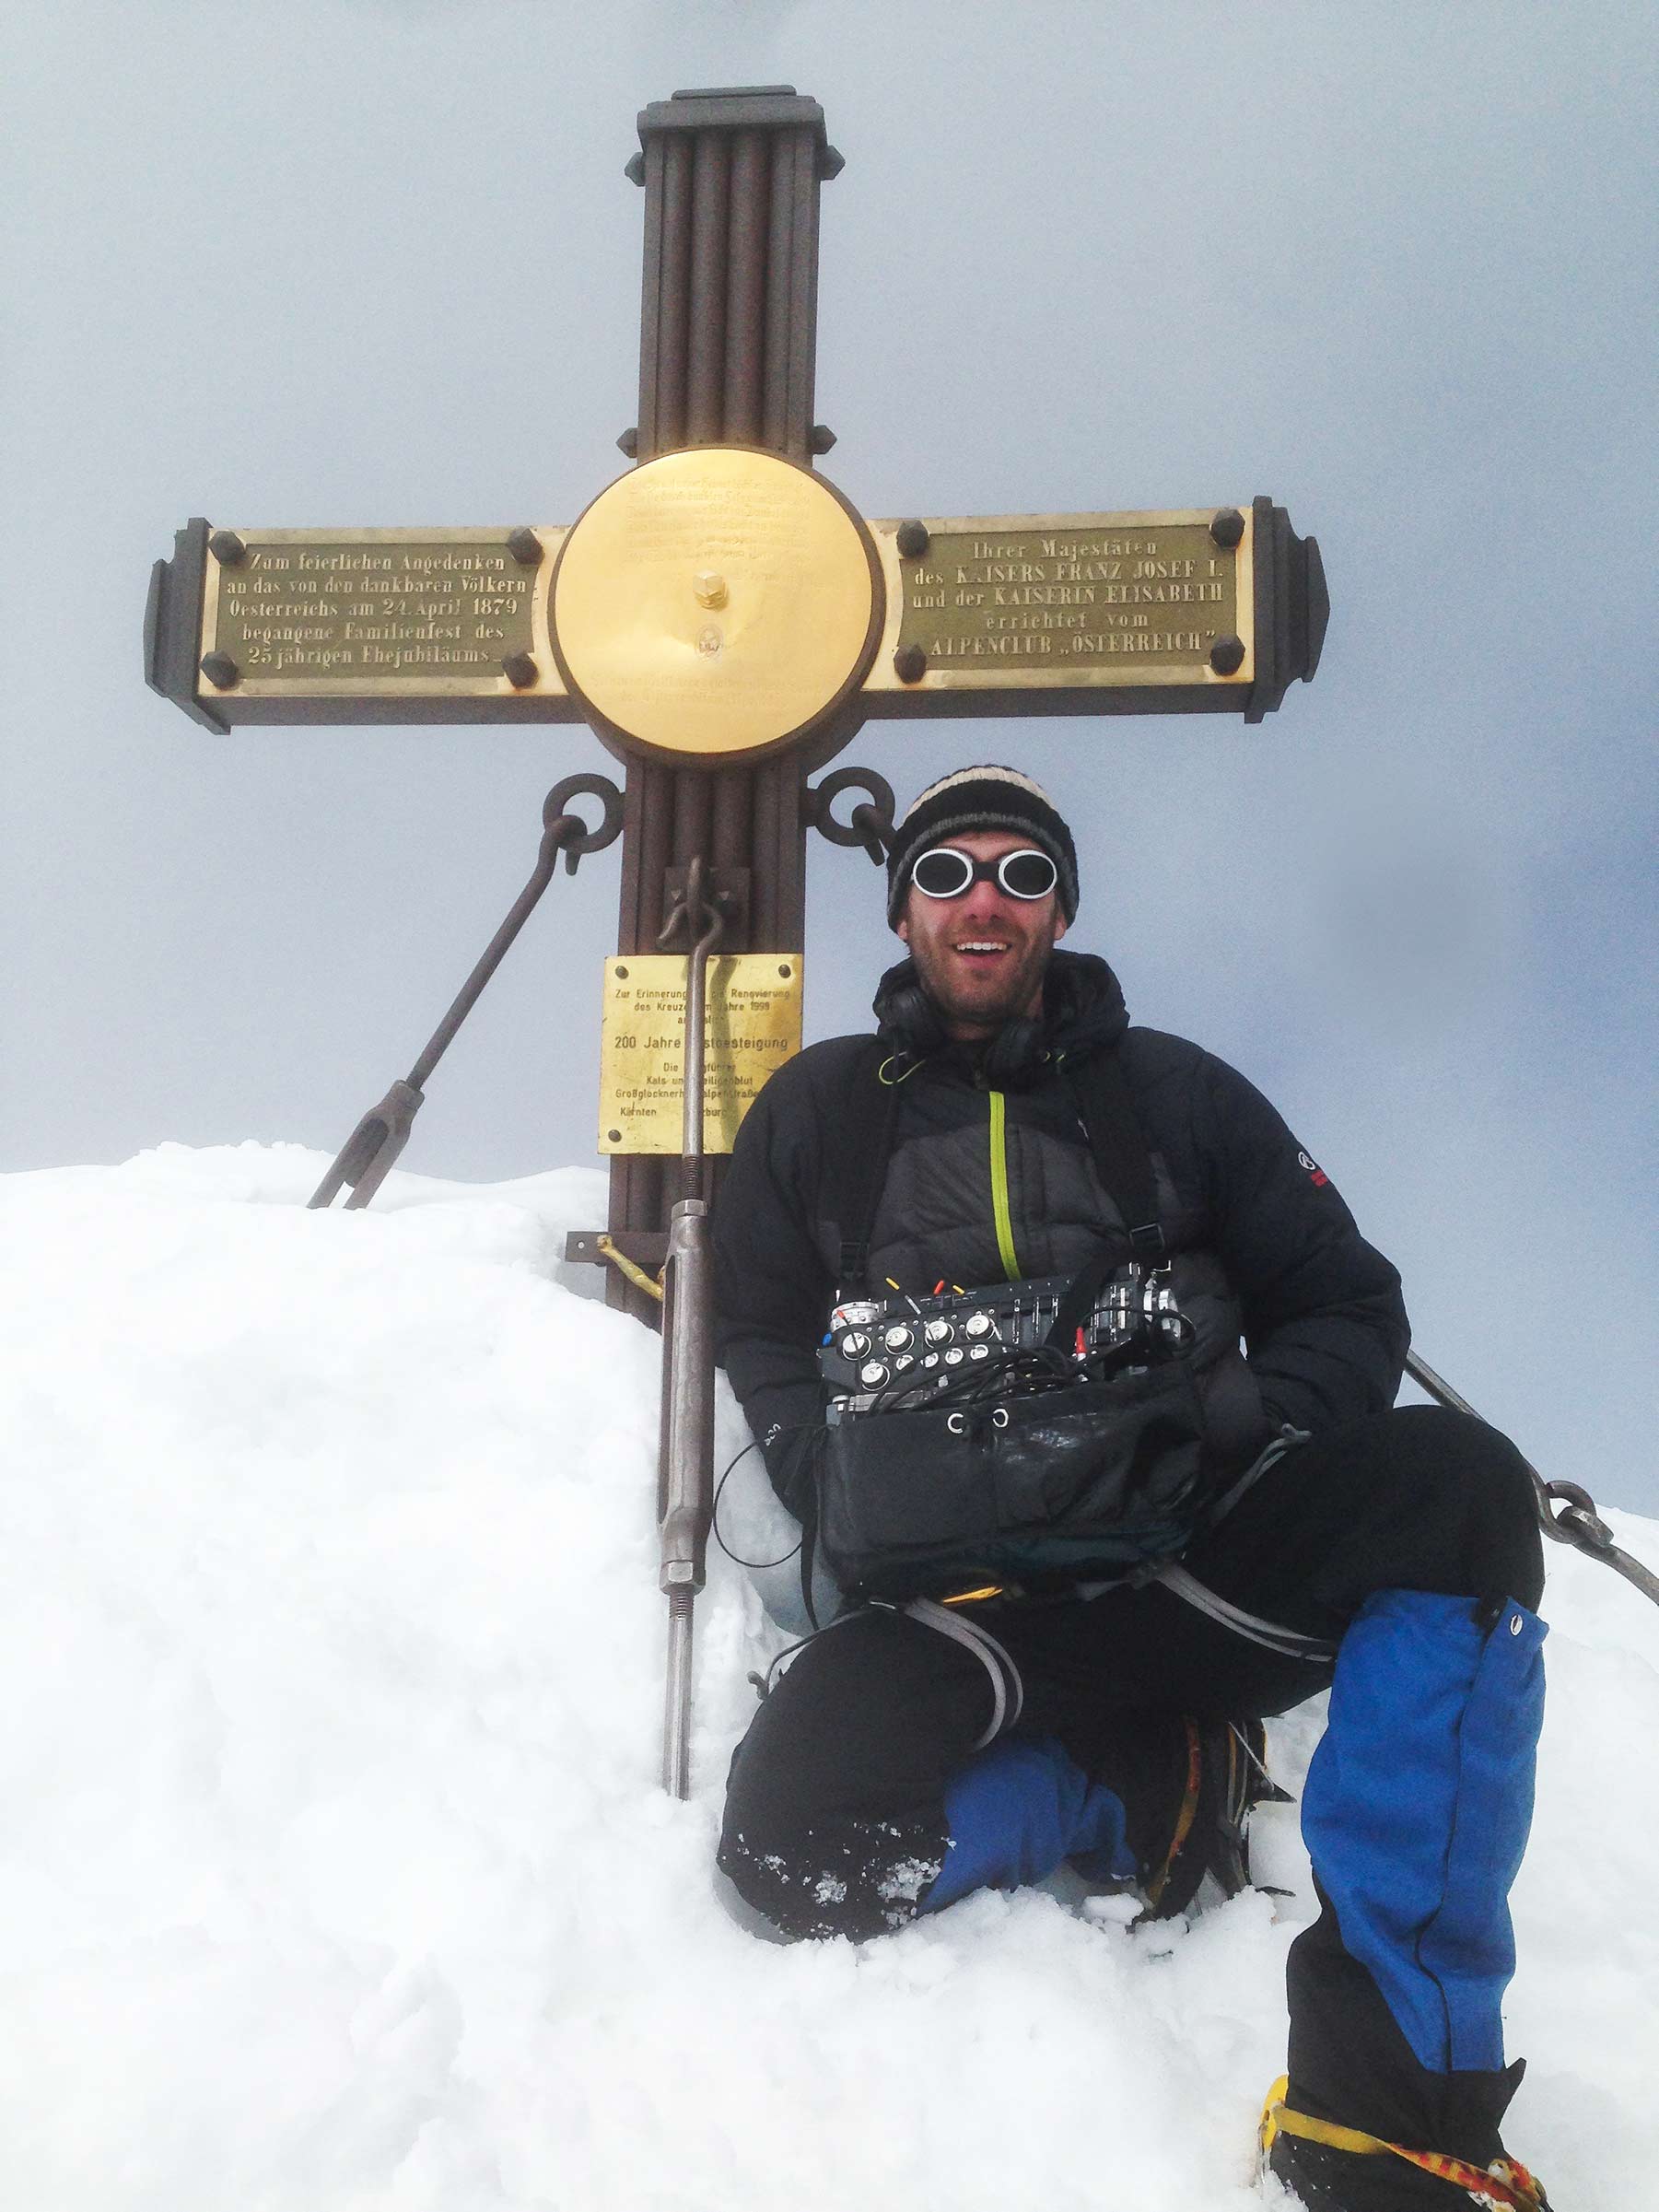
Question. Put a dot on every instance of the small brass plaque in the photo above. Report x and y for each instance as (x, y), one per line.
(752, 1025)
(329, 612)
(1013, 602)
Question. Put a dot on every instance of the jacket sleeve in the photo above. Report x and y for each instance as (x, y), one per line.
(773, 1290)
(1325, 1324)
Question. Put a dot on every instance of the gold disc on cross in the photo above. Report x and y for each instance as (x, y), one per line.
(717, 603)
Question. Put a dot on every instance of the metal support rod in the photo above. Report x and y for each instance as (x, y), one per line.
(372, 1151)
(686, 1482)
(745, 306)
(685, 1466)
(676, 1726)
(1577, 1523)
(696, 1000)
(711, 225)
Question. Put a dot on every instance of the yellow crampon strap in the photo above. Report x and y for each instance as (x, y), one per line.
(1504, 2182)
(1184, 1819)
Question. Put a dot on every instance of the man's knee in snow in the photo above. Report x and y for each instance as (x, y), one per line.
(1474, 1475)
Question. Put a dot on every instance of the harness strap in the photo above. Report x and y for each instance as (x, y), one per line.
(1271, 1454)
(858, 1164)
(1288, 1642)
(809, 1548)
(985, 1647)
(1077, 1304)
(1122, 1159)
(1506, 2182)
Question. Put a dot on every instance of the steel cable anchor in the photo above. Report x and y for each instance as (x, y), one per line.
(369, 1155)
(1578, 1523)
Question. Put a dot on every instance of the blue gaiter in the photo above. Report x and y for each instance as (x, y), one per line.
(1417, 1810)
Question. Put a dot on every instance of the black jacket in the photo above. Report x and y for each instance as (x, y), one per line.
(1262, 1245)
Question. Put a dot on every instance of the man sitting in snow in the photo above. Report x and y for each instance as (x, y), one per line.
(1392, 1555)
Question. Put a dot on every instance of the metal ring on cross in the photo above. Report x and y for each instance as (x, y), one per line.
(714, 605)
(605, 830)
(821, 799)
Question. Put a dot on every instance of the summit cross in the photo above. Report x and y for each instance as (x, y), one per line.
(720, 615)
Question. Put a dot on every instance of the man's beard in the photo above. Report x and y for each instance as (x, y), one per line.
(1004, 994)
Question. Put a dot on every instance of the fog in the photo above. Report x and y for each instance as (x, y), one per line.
(339, 264)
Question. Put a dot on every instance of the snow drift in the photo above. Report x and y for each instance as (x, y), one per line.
(334, 1870)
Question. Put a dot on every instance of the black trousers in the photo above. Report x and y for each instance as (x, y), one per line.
(834, 1818)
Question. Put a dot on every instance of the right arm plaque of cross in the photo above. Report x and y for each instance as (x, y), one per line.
(721, 616)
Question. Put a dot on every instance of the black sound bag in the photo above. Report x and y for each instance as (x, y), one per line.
(1081, 1482)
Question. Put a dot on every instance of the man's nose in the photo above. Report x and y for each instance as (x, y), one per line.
(985, 901)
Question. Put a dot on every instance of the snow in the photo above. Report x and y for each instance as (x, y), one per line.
(334, 1870)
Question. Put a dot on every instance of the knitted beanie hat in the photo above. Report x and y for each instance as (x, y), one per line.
(983, 798)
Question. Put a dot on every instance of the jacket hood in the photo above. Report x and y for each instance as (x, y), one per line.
(1083, 1011)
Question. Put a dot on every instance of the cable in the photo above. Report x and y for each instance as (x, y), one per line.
(714, 1510)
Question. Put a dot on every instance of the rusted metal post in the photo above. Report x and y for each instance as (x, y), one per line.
(727, 327)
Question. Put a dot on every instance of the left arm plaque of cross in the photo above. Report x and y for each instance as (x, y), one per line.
(721, 617)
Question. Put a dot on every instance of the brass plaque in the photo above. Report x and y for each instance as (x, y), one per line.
(404, 612)
(1017, 602)
(715, 603)
(752, 1025)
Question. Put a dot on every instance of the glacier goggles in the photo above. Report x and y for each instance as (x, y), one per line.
(946, 872)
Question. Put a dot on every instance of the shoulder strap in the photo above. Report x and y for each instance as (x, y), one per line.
(860, 1148)
(1121, 1158)
(809, 1546)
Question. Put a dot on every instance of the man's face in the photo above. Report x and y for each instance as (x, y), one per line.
(981, 957)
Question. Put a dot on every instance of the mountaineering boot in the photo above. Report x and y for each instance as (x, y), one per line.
(1332, 2169)
(1223, 1774)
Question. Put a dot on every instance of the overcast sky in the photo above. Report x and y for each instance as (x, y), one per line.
(375, 262)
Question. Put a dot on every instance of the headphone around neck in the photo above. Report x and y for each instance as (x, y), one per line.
(1016, 1052)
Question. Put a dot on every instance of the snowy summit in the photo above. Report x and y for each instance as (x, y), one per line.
(335, 1868)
